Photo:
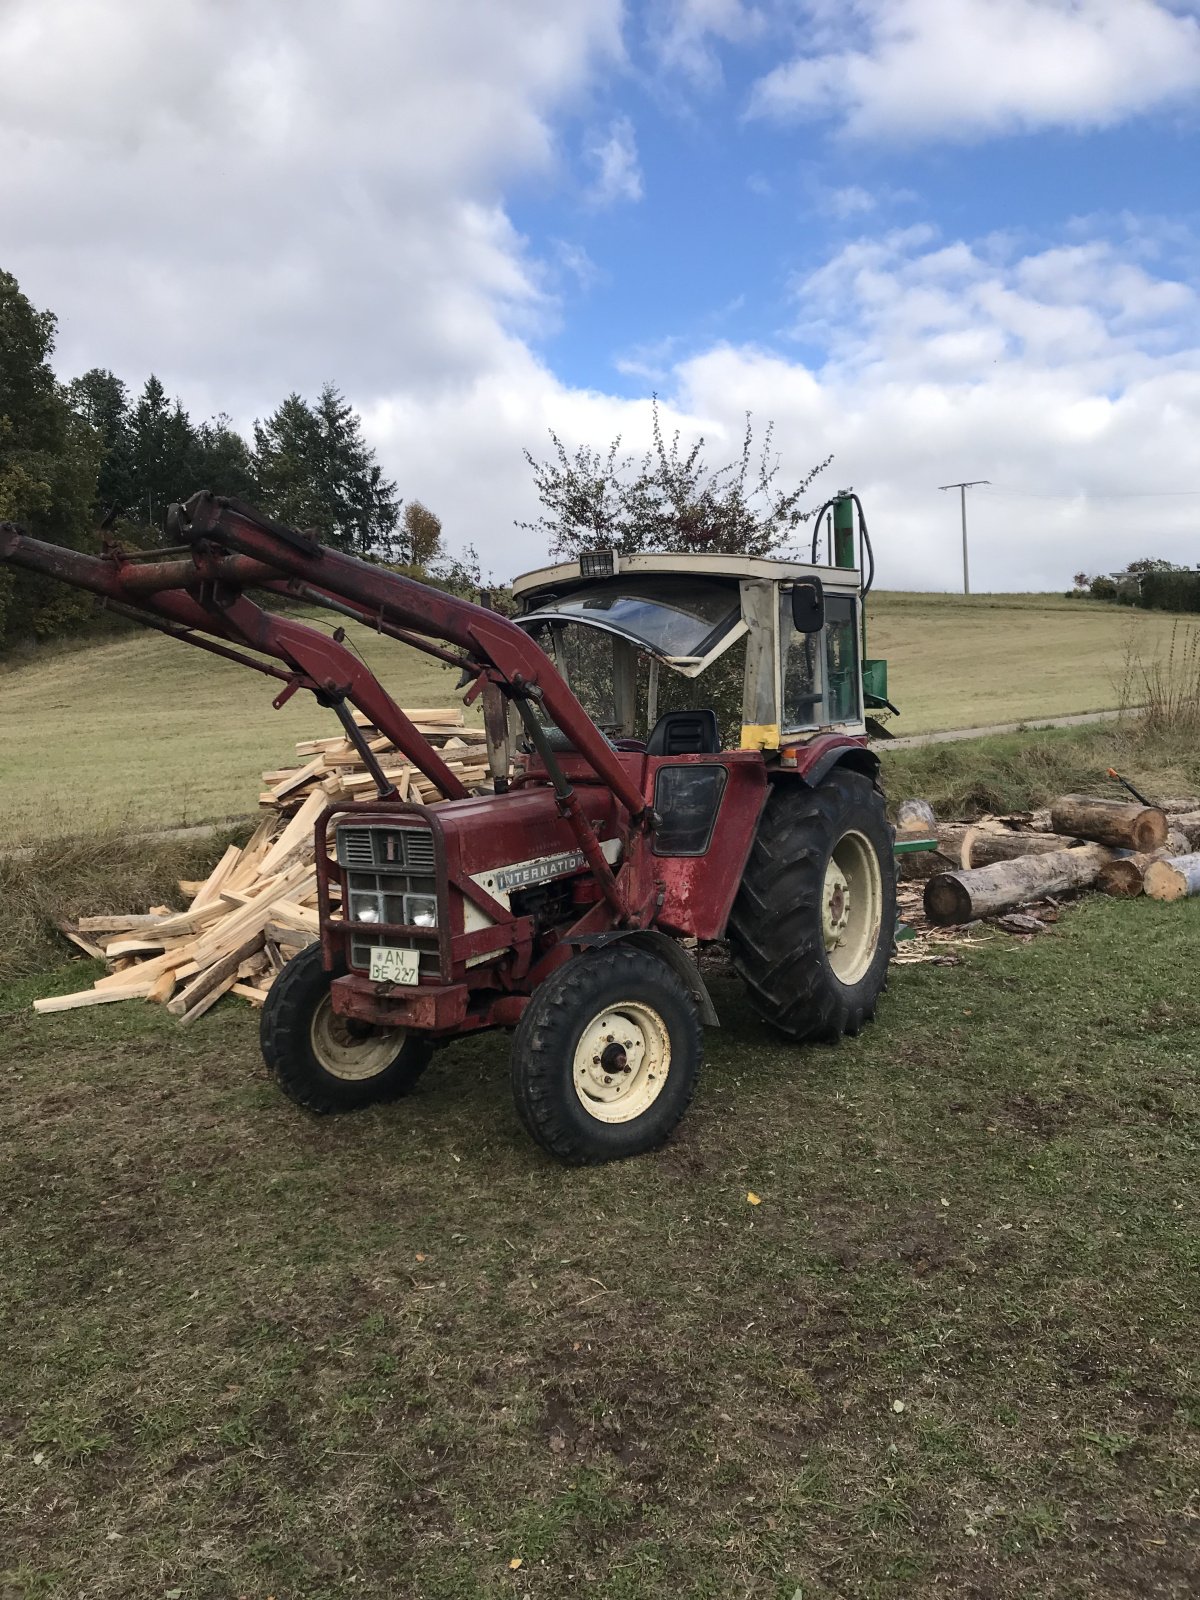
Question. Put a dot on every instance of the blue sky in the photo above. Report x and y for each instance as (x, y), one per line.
(935, 238)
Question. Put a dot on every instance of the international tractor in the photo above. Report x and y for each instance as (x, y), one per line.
(678, 756)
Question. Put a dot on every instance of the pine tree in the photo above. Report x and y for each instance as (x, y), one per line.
(102, 401)
(48, 464)
(221, 461)
(162, 445)
(315, 470)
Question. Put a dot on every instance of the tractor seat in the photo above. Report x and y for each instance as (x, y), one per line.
(685, 733)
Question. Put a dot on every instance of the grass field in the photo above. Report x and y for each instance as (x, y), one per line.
(964, 662)
(144, 730)
(952, 1352)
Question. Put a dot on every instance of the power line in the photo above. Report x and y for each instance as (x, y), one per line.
(1094, 494)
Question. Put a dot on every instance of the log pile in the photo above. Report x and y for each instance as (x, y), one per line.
(258, 907)
(1002, 864)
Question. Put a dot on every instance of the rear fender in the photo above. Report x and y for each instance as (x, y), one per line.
(817, 759)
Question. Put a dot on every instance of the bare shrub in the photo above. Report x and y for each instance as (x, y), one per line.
(1163, 689)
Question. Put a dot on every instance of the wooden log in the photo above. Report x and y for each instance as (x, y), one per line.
(967, 895)
(117, 924)
(214, 975)
(163, 988)
(1123, 823)
(1185, 822)
(948, 855)
(983, 847)
(1123, 878)
(92, 997)
(298, 835)
(208, 1001)
(217, 878)
(88, 946)
(1173, 878)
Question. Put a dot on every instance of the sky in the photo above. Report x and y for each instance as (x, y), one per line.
(935, 239)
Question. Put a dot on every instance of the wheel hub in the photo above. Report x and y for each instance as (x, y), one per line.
(621, 1062)
(835, 905)
(852, 907)
(352, 1050)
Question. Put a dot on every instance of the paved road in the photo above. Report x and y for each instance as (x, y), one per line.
(909, 740)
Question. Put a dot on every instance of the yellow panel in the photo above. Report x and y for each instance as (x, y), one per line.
(760, 736)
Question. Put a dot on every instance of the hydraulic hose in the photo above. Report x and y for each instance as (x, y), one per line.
(862, 528)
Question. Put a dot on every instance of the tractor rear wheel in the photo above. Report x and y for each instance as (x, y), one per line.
(324, 1061)
(606, 1056)
(812, 928)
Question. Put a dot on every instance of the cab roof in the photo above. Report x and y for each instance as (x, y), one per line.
(567, 575)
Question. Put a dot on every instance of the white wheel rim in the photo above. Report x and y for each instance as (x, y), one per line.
(852, 907)
(622, 1061)
(346, 1054)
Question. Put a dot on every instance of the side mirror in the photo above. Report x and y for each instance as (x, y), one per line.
(808, 605)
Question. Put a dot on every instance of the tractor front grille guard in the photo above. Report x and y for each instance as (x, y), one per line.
(449, 953)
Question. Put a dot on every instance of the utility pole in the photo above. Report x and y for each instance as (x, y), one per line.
(962, 488)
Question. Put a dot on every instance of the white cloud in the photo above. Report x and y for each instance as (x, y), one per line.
(614, 160)
(849, 202)
(274, 193)
(256, 196)
(682, 34)
(1068, 376)
(925, 68)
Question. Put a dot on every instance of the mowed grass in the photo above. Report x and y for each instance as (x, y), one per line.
(146, 731)
(966, 661)
(952, 1352)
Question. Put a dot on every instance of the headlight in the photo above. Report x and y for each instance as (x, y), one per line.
(363, 911)
(420, 910)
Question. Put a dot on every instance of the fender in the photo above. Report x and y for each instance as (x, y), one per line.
(815, 760)
(663, 946)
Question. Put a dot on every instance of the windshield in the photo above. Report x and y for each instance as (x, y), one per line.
(677, 618)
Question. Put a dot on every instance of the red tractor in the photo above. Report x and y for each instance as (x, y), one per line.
(562, 903)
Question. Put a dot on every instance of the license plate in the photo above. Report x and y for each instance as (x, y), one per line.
(389, 965)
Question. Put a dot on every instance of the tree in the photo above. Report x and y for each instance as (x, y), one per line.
(672, 500)
(102, 401)
(222, 461)
(162, 445)
(422, 535)
(49, 460)
(315, 470)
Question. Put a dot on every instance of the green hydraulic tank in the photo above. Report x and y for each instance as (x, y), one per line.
(843, 531)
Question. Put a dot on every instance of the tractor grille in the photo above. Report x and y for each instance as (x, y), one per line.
(385, 868)
(407, 850)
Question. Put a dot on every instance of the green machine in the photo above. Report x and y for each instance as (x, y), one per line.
(841, 512)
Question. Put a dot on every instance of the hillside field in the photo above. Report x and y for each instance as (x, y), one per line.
(145, 731)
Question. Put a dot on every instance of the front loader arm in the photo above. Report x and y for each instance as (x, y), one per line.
(230, 549)
(486, 636)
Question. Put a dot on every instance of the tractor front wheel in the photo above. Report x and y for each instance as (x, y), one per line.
(606, 1056)
(327, 1062)
(812, 928)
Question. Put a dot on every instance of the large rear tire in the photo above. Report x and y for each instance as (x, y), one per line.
(326, 1062)
(813, 926)
(606, 1056)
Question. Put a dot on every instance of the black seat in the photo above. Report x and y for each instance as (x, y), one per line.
(685, 733)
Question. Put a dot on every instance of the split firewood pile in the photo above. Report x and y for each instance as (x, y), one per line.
(258, 907)
(997, 867)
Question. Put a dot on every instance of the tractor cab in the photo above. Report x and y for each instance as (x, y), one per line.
(701, 653)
